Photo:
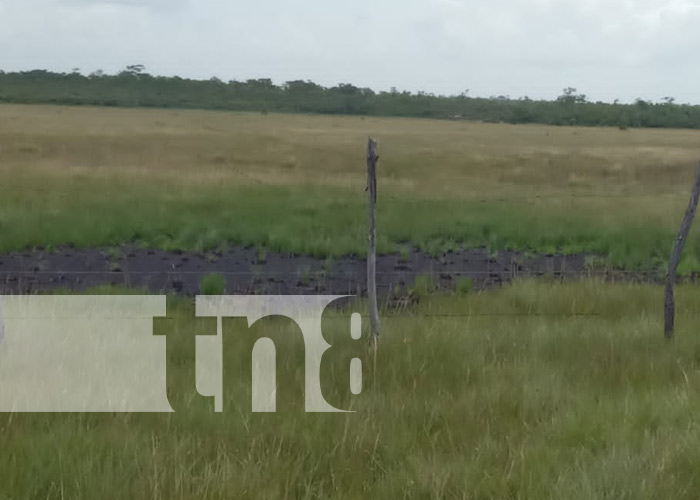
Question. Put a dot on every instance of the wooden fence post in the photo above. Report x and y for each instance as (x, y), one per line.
(669, 303)
(372, 159)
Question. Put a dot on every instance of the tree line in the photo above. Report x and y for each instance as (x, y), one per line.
(133, 87)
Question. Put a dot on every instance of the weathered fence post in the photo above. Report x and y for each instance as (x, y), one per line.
(372, 159)
(669, 304)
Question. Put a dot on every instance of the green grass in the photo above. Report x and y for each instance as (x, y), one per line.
(203, 180)
(423, 286)
(212, 284)
(314, 220)
(496, 395)
(464, 286)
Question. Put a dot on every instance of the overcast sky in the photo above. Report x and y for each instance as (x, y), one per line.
(607, 49)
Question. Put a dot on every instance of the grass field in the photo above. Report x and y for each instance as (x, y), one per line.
(535, 390)
(199, 180)
(518, 398)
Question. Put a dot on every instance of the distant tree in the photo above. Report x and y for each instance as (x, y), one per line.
(262, 83)
(134, 87)
(641, 102)
(569, 96)
(134, 69)
(347, 88)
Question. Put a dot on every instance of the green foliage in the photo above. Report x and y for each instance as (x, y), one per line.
(464, 286)
(423, 286)
(212, 284)
(133, 87)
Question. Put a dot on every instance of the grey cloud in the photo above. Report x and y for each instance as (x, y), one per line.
(606, 48)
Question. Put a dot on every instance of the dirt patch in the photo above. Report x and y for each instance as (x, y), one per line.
(250, 271)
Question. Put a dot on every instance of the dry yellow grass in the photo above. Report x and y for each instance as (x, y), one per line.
(421, 157)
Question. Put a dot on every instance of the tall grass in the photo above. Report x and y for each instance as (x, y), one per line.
(533, 391)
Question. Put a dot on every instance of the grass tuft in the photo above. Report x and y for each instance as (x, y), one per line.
(212, 284)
